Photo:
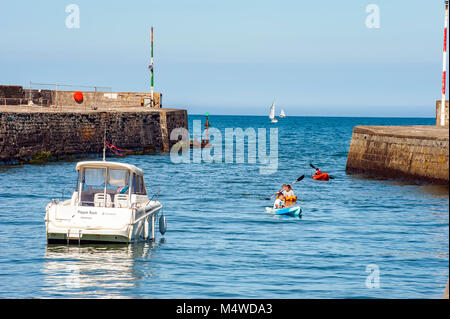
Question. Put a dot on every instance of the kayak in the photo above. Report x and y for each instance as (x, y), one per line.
(291, 211)
(321, 177)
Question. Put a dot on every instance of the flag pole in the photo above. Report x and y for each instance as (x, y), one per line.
(152, 102)
(444, 66)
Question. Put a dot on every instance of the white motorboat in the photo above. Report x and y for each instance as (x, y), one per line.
(110, 204)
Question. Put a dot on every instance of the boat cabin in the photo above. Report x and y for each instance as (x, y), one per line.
(109, 184)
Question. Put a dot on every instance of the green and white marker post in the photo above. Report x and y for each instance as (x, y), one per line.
(152, 101)
(206, 141)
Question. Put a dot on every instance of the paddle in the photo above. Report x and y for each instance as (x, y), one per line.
(331, 177)
(297, 180)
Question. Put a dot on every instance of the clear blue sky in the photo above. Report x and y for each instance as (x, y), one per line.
(235, 57)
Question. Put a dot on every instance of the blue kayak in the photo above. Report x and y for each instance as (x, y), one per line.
(291, 211)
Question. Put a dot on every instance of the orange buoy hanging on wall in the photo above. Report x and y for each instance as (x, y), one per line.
(78, 96)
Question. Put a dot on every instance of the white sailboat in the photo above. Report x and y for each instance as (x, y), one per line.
(282, 114)
(272, 113)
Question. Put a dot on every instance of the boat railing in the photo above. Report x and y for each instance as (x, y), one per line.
(155, 195)
(66, 189)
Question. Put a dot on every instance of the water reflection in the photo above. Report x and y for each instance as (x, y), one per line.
(106, 271)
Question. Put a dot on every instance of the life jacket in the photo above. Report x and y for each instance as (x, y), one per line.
(290, 196)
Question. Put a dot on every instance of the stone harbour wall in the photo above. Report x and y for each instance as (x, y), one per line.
(419, 153)
(27, 136)
(17, 95)
(108, 99)
(438, 113)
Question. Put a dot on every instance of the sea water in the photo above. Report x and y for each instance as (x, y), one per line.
(358, 237)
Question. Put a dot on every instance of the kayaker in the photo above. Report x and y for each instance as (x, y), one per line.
(319, 176)
(290, 196)
(284, 189)
(279, 202)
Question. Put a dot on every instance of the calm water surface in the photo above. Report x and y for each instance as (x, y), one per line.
(221, 244)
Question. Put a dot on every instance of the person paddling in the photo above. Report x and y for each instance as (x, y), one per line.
(284, 189)
(279, 202)
(290, 196)
(319, 176)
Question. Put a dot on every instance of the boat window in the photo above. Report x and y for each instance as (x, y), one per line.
(92, 182)
(94, 178)
(118, 180)
(138, 185)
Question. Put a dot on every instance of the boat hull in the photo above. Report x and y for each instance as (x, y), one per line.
(64, 225)
(321, 177)
(57, 238)
(294, 211)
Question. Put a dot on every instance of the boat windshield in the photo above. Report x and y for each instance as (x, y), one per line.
(93, 179)
(100, 186)
(118, 180)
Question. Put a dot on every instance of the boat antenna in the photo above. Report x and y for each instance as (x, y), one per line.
(444, 66)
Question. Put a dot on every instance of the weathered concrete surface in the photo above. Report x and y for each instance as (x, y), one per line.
(418, 153)
(438, 113)
(34, 132)
(17, 95)
(108, 99)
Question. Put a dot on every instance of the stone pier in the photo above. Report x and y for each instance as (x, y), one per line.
(438, 113)
(17, 95)
(413, 153)
(29, 134)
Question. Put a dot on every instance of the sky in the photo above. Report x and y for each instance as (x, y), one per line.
(314, 58)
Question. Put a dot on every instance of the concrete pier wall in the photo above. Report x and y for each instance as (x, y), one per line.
(438, 113)
(110, 99)
(17, 95)
(34, 133)
(418, 153)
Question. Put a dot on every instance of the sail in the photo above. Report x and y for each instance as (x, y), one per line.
(282, 113)
(272, 111)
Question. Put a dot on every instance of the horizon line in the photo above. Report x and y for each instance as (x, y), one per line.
(331, 116)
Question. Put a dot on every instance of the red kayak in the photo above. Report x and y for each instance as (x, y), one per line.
(321, 177)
